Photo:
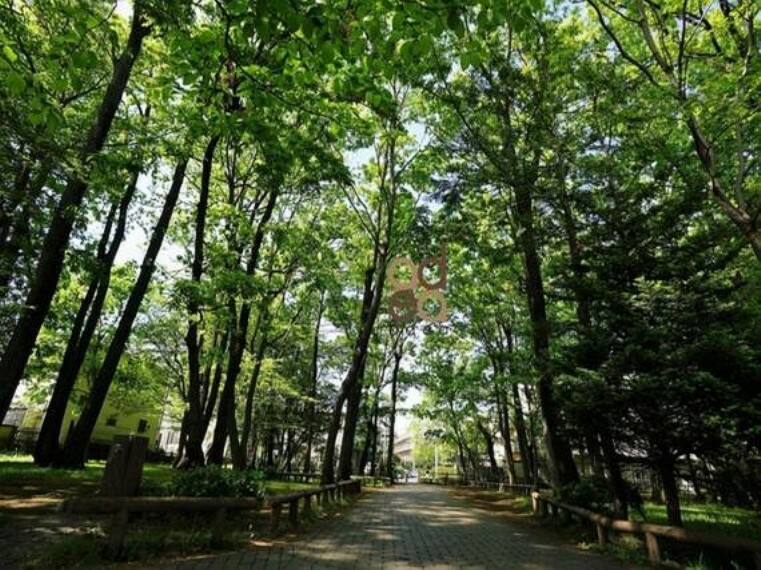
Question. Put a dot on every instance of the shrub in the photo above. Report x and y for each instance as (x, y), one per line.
(589, 493)
(215, 481)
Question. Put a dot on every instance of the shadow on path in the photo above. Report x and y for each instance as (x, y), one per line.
(413, 526)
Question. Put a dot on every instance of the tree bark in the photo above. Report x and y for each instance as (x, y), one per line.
(504, 428)
(314, 372)
(562, 469)
(666, 469)
(15, 234)
(194, 446)
(520, 431)
(352, 383)
(392, 414)
(73, 454)
(374, 450)
(48, 272)
(618, 485)
(489, 440)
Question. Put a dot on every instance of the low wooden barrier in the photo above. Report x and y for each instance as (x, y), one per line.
(322, 495)
(501, 486)
(296, 477)
(652, 532)
(122, 507)
(372, 480)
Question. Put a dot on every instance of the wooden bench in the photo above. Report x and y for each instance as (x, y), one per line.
(543, 505)
(122, 507)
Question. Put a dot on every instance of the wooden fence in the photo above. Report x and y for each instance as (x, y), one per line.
(296, 477)
(372, 480)
(122, 507)
(322, 495)
(543, 505)
(501, 486)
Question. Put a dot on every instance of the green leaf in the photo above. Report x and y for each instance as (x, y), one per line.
(15, 82)
(9, 53)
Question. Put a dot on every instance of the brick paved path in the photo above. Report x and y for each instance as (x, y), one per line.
(414, 526)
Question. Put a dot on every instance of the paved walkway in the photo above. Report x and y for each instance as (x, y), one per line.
(414, 526)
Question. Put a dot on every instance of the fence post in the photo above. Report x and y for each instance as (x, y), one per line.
(293, 512)
(308, 504)
(118, 532)
(277, 509)
(218, 527)
(602, 534)
(653, 549)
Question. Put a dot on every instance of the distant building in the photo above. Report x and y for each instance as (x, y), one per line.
(113, 420)
(403, 448)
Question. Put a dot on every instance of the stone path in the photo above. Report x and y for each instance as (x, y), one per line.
(414, 526)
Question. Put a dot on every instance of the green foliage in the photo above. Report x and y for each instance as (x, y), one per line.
(589, 493)
(216, 481)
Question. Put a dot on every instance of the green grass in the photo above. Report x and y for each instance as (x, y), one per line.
(712, 518)
(285, 487)
(18, 472)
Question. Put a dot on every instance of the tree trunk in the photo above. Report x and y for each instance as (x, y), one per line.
(211, 398)
(533, 449)
(392, 414)
(595, 455)
(194, 446)
(666, 469)
(489, 440)
(520, 431)
(374, 450)
(504, 428)
(618, 486)
(248, 417)
(226, 422)
(352, 383)
(83, 329)
(16, 231)
(353, 401)
(48, 272)
(562, 469)
(183, 440)
(73, 454)
(311, 408)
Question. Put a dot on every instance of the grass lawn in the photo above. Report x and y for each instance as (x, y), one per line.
(713, 518)
(20, 477)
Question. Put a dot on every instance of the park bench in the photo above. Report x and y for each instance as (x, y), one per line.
(542, 505)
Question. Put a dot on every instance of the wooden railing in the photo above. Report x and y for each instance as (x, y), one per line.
(372, 480)
(543, 505)
(123, 507)
(501, 486)
(297, 477)
(322, 495)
